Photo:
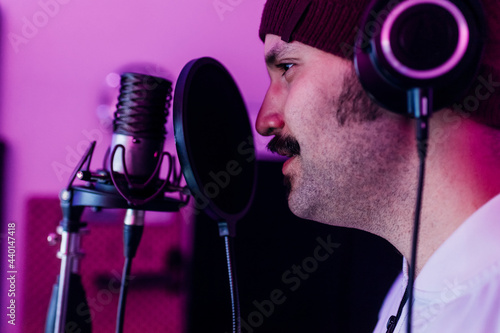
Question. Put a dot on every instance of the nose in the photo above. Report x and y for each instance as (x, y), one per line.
(270, 118)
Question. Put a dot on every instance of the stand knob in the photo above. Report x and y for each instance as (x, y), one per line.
(55, 237)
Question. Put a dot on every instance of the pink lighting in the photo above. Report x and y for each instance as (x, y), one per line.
(56, 77)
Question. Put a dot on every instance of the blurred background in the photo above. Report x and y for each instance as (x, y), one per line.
(59, 66)
(58, 59)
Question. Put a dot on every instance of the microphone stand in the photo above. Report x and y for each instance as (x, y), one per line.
(68, 296)
(69, 281)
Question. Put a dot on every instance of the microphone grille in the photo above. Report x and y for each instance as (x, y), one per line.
(143, 106)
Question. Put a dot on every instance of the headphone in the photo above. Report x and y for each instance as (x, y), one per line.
(412, 57)
(435, 45)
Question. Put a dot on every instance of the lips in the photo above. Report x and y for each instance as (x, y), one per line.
(287, 164)
(285, 146)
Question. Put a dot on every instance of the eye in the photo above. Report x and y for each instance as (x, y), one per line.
(284, 67)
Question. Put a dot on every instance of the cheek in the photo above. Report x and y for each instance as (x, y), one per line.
(309, 111)
(317, 129)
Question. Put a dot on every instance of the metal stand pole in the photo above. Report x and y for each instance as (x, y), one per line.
(69, 254)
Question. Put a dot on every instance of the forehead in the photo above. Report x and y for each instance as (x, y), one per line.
(275, 48)
(272, 42)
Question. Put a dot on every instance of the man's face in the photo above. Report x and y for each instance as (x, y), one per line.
(345, 153)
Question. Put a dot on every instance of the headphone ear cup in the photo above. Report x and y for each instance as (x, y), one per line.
(381, 90)
(431, 44)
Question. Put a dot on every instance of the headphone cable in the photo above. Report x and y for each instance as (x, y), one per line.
(420, 102)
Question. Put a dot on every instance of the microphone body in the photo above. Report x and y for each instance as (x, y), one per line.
(136, 151)
(139, 156)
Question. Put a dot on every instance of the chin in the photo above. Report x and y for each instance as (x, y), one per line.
(302, 200)
(311, 209)
(301, 208)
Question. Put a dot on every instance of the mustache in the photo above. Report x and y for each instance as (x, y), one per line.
(284, 145)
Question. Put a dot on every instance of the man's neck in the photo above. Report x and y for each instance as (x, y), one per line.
(461, 176)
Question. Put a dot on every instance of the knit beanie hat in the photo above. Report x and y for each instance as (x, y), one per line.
(332, 25)
(329, 25)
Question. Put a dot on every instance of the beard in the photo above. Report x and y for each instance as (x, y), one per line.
(353, 106)
(348, 175)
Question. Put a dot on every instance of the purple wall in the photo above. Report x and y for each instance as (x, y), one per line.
(55, 58)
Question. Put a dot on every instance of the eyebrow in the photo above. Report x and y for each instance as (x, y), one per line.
(277, 52)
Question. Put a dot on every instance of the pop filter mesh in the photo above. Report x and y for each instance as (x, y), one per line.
(216, 137)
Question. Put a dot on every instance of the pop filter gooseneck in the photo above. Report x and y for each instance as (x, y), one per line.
(216, 149)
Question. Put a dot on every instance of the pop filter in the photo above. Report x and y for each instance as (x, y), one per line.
(214, 140)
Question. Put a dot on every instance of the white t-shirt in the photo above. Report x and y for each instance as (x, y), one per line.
(458, 289)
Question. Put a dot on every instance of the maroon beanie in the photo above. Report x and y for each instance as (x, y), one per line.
(329, 25)
(332, 25)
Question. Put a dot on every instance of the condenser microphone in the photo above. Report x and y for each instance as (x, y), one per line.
(131, 172)
(136, 151)
(136, 156)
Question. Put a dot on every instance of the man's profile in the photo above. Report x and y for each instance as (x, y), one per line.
(352, 163)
